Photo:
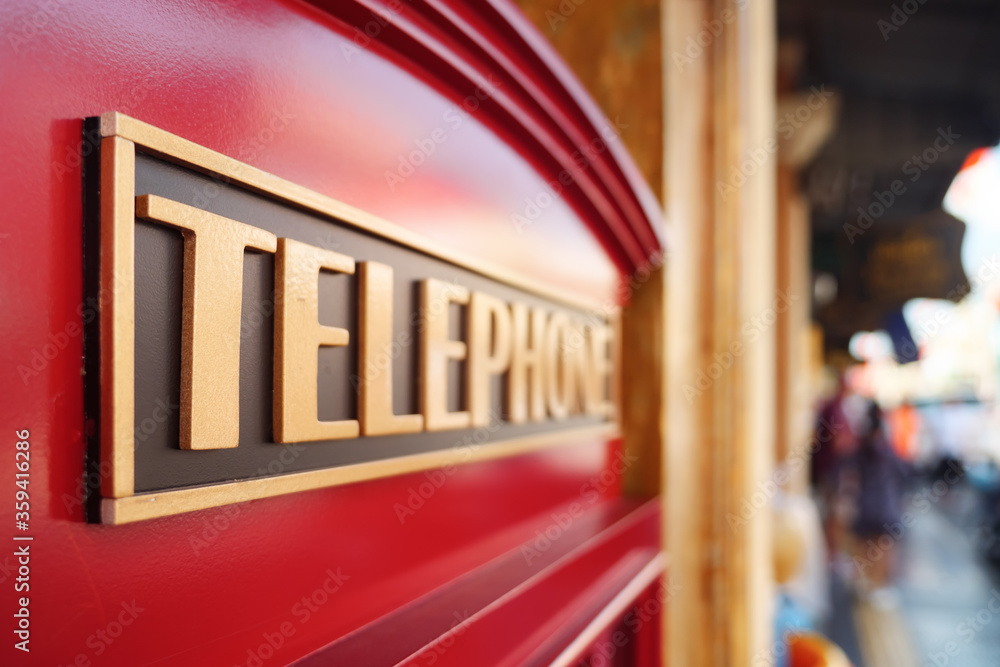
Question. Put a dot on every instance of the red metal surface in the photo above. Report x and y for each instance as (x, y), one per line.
(536, 620)
(485, 44)
(524, 606)
(282, 86)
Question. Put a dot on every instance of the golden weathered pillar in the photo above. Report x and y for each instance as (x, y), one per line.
(720, 201)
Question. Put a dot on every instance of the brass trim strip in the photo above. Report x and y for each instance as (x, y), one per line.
(175, 149)
(117, 316)
(153, 505)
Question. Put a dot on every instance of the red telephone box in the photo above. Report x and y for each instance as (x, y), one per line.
(184, 489)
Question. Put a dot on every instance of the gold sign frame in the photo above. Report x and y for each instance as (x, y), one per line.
(121, 137)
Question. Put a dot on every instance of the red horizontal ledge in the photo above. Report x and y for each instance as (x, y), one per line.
(526, 605)
(539, 108)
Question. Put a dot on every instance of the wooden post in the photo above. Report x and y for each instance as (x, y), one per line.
(720, 332)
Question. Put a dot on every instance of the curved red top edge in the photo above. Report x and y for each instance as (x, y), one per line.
(540, 108)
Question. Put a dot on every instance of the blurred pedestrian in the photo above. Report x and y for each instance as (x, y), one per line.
(880, 478)
(833, 439)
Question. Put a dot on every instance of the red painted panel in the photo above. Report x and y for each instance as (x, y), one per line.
(494, 612)
(537, 620)
(282, 86)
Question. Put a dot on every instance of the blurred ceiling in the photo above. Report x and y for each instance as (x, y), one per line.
(905, 70)
(919, 89)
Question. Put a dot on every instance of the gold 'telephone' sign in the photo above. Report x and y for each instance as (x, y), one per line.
(220, 292)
